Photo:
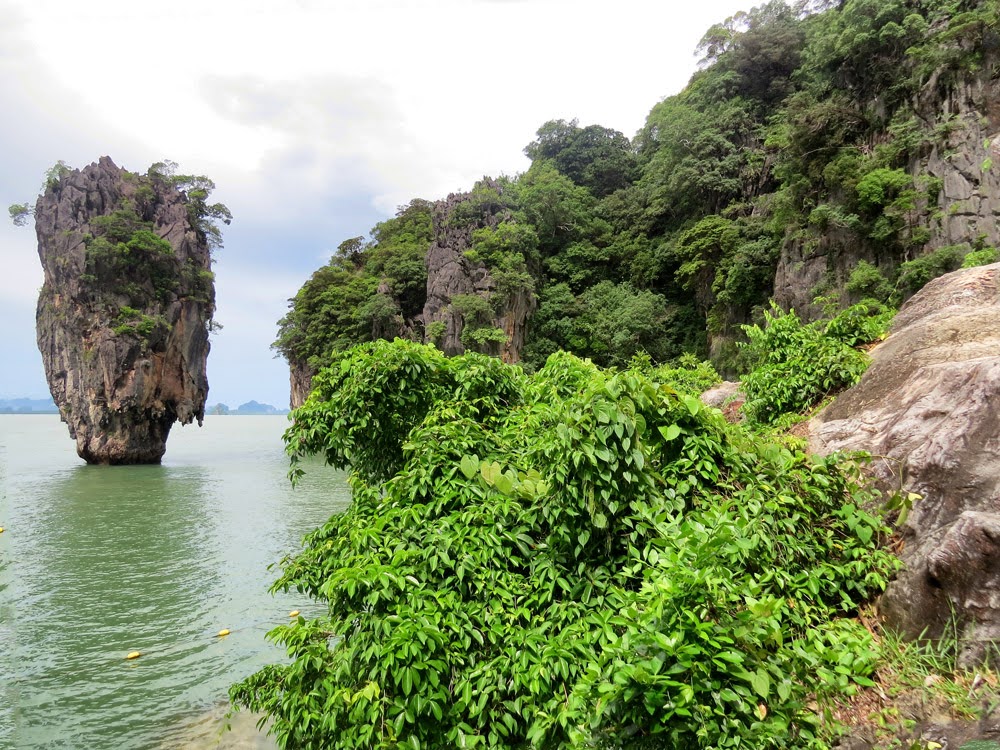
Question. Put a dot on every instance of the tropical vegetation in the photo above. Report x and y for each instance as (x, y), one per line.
(579, 557)
(572, 551)
(803, 133)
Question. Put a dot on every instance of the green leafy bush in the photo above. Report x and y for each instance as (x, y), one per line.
(878, 188)
(687, 374)
(478, 331)
(435, 330)
(915, 274)
(867, 281)
(136, 323)
(576, 558)
(859, 324)
(983, 257)
(797, 365)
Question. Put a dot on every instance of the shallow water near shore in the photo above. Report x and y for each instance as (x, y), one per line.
(96, 562)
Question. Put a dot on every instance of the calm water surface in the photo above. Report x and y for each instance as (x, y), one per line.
(96, 562)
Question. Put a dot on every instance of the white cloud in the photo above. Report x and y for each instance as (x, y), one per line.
(315, 117)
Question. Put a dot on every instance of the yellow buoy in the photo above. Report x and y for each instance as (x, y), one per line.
(1, 529)
(133, 655)
(224, 631)
(293, 613)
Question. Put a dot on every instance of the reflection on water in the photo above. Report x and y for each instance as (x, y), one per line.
(99, 561)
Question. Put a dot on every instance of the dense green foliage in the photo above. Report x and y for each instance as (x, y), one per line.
(575, 558)
(569, 556)
(796, 365)
(801, 131)
(341, 304)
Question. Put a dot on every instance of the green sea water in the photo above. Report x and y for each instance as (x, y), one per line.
(96, 562)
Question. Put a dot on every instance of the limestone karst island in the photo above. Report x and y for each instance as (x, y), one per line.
(126, 306)
(687, 439)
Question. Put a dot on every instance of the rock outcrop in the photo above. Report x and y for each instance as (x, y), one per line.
(451, 273)
(927, 410)
(961, 160)
(123, 316)
(300, 377)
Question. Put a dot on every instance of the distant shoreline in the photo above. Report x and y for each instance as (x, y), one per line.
(47, 406)
(15, 413)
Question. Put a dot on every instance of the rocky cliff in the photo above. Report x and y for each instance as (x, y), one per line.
(926, 409)
(124, 312)
(300, 377)
(453, 277)
(956, 175)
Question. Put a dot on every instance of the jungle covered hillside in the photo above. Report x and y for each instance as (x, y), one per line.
(824, 153)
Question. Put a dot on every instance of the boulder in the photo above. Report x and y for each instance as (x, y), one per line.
(928, 410)
(723, 393)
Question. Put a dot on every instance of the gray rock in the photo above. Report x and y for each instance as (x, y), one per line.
(120, 389)
(300, 377)
(451, 273)
(927, 411)
(718, 396)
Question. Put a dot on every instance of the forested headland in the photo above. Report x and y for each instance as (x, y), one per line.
(824, 154)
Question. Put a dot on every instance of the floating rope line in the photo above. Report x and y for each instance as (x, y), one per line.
(133, 655)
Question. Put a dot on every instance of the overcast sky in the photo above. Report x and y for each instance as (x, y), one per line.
(315, 119)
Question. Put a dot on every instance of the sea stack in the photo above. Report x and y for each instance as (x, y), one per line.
(126, 306)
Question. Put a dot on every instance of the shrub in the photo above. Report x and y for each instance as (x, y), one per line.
(879, 187)
(915, 274)
(435, 330)
(688, 375)
(795, 366)
(867, 281)
(862, 323)
(576, 558)
(983, 257)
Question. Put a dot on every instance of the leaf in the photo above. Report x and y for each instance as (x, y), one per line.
(760, 682)
(670, 433)
(504, 484)
(469, 466)
(692, 403)
(784, 690)
(762, 711)
(407, 681)
(490, 472)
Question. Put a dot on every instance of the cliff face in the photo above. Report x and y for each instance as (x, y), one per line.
(962, 159)
(123, 314)
(300, 377)
(452, 274)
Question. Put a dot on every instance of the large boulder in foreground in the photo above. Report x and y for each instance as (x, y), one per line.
(124, 313)
(928, 409)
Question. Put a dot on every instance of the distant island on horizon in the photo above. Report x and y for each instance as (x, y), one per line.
(250, 408)
(48, 406)
(28, 406)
